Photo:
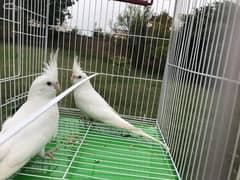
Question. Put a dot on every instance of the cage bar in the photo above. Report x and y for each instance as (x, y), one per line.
(168, 67)
(139, 2)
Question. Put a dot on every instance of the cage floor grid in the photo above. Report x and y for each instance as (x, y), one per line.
(95, 151)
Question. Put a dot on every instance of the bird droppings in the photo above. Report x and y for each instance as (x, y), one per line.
(126, 135)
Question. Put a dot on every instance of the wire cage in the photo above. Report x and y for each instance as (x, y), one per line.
(181, 90)
(127, 44)
(199, 105)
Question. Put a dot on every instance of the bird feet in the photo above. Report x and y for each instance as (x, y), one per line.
(50, 152)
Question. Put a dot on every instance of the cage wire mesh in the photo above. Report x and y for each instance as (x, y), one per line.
(198, 109)
(127, 44)
(199, 105)
(22, 51)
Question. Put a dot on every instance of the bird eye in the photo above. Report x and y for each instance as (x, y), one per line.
(79, 77)
(49, 83)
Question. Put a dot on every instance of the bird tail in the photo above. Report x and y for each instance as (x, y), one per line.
(140, 132)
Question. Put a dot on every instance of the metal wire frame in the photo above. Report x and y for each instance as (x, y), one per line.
(34, 44)
(97, 59)
(190, 113)
(33, 117)
(22, 45)
(67, 126)
(139, 2)
(68, 158)
(131, 119)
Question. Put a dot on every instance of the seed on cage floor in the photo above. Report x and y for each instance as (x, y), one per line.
(130, 146)
(97, 161)
(70, 139)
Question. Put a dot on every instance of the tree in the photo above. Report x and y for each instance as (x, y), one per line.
(58, 9)
(145, 47)
(58, 13)
(97, 31)
(206, 32)
(160, 30)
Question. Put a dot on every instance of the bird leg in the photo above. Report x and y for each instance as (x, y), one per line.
(42, 153)
(91, 121)
(85, 121)
(50, 152)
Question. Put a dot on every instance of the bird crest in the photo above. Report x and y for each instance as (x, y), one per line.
(76, 66)
(50, 68)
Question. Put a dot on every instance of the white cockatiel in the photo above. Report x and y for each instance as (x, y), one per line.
(31, 140)
(96, 108)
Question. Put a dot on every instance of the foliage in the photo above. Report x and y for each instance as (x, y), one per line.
(204, 40)
(208, 32)
(148, 40)
(98, 32)
(61, 10)
(58, 9)
(118, 60)
(75, 31)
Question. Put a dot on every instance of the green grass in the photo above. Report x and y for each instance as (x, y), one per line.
(17, 71)
(126, 95)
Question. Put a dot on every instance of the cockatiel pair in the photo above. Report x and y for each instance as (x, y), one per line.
(17, 151)
(31, 140)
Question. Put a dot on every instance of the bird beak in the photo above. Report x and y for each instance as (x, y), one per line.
(57, 87)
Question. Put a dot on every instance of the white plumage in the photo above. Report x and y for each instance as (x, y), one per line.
(95, 107)
(30, 141)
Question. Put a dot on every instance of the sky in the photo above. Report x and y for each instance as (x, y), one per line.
(87, 14)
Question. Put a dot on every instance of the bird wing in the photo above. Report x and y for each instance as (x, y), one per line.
(25, 140)
(11, 122)
(16, 119)
(3, 150)
(28, 142)
(6, 124)
(93, 105)
(89, 101)
(24, 111)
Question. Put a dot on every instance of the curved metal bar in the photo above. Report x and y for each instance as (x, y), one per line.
(139, 2)
(32, 117)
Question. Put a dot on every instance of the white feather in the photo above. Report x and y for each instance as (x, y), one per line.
(50, 69)
(76, 66)
(17, 151)
(95, 107)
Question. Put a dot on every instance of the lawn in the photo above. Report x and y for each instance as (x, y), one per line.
(127, 92)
